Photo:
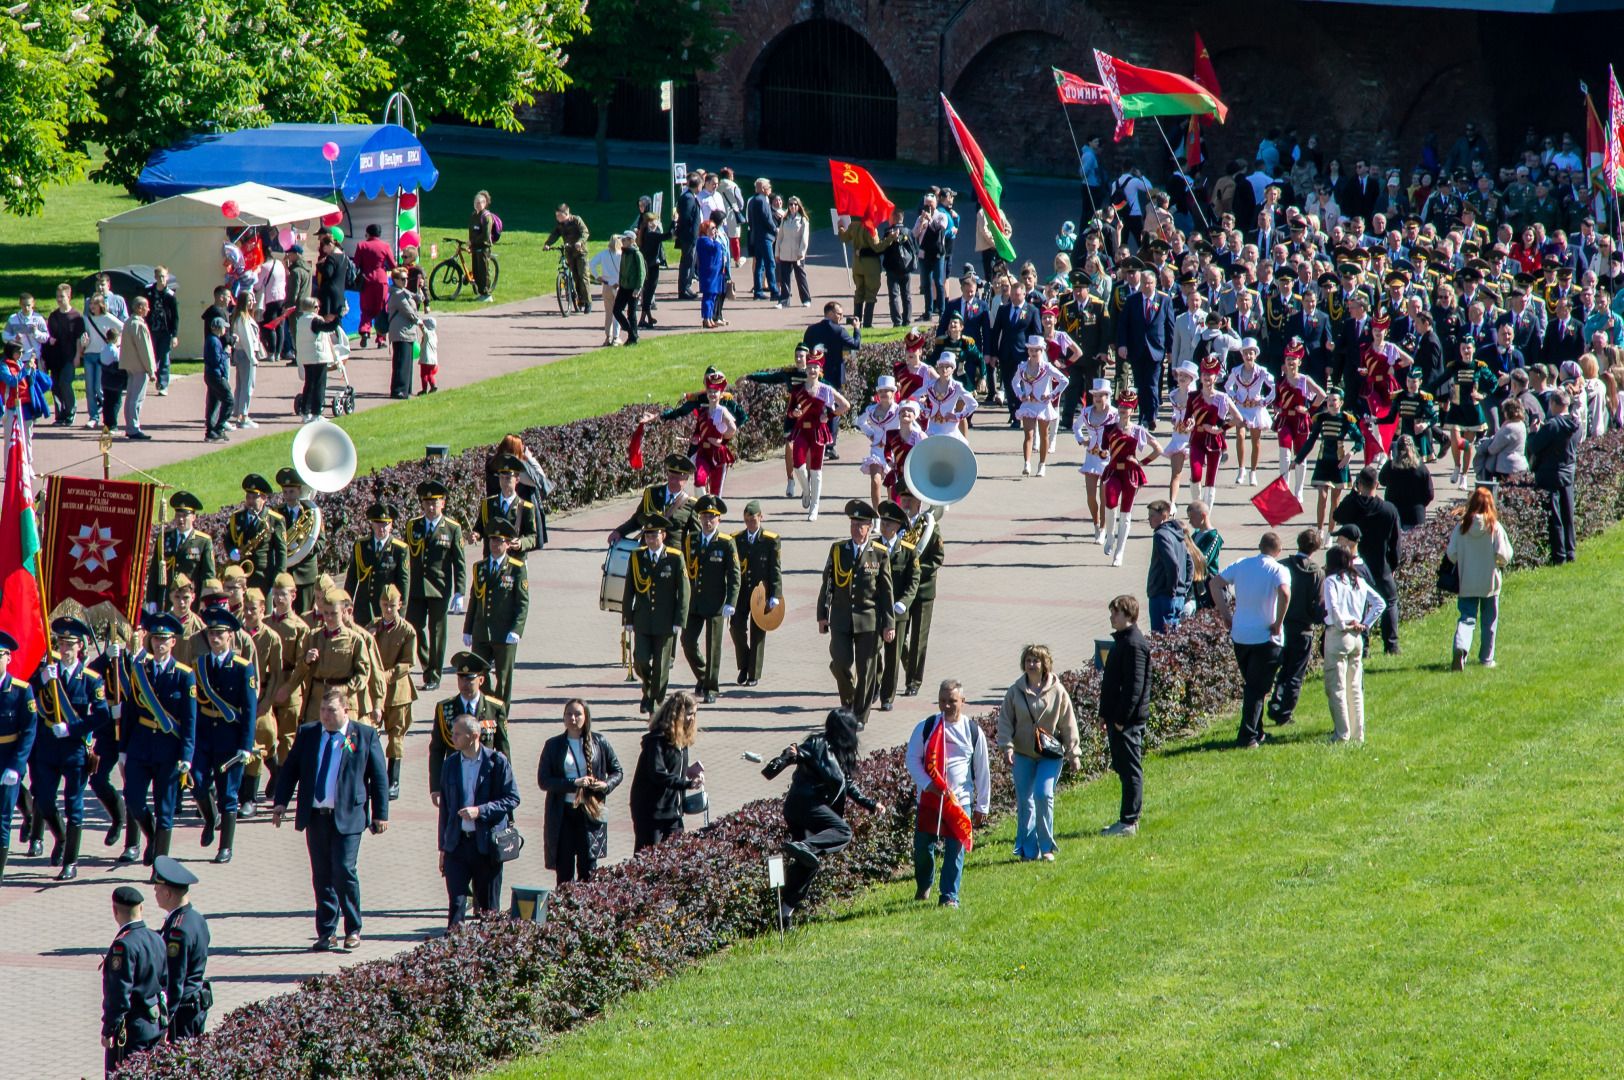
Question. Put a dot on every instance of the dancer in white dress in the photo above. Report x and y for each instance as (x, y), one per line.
(877, 421)
(1038, 385)
(1251, 388)
(945, 403)
(1178, 444)
(1093, 421)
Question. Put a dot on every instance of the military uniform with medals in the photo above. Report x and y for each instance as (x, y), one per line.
(257, 538)
(654, 609)
(904, 586)
(490, 712)
(439, 577)
(713, 569)
(759, 563)
(375, 565)
(190, 553)
(854, 605)
(660, 501)
(1085, 322)
(498, 603)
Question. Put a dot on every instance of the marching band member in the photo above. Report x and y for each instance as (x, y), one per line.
(1473, 381)
(294, 509)
(439, 577)
(759, 564)
(1178, 444)
(899, 443)
(790, 377)
(1038, 385)
(814, 405)
(970, 365)
(255, 535)
(912, 373)
(510, 506)
(855, 608)
(654, 608)
(1296, 396)
(1211, 414)
(1062, 353)
(183, 550)
(72, 707)
(904, 557)
(227, 684)
(1378, 359)
(668, 501)
(944, 404)
(377, 563)
(498, 605)
(877, 422)
(925, 533)
(1093, 421)
(714, 578)
(1415, 412)
(1251, 388)
(717, 418)
(1339, 438)
(160, 715)
(1125, 471)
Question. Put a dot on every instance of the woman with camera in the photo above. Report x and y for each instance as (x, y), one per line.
(578, 771)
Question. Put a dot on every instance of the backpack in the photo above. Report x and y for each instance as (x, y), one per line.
(352, 276)
(496, 226)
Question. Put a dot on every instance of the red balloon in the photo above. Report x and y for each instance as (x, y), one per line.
(334, 218)
(229, 208)
(408, 200)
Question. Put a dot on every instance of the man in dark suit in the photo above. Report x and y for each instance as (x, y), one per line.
(1377, 525)
(1144, 335)
(1359, 192)
(1564, 335)
(763, 231)
(688, 213)
(837, 340)
(972, 309)
(1017, 320)
(1552, 452)
(477, 797)
(1351, 338)
(337, 769)
(1313, 326)
(1525, 331)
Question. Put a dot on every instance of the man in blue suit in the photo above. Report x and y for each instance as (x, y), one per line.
(228, 701)
(972, 309)
(477, 797)
(1017, 320)
(763, 232)
(157, 733)
(17, 717)
(1144, 334)
(337, 769)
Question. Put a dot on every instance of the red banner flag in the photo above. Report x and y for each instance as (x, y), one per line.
(858, 196)
(634, 449)
(939, 809)
(1276, 503)
(98, 543)
(1074, 90)
(1595, 143)
(22, 612)
(1192, 145)
(1205, 77)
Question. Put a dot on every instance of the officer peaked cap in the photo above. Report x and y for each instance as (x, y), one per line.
(256, 482)
(185, 500)
(858, 510)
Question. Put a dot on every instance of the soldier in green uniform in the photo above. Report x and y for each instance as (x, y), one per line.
(931, 556)
(866, 273)
(1546, 209)
(376, 563)
(303, 525)
(713, 570)
(654, 608)
(573, 232)
(508, 505)
(668, 501)
(439, 578)
(132, 983)
(255, 535)
(471, 700)
(904, 587)
(183, 550)
(1485, 202)
(498, 603)
(759, 563)
(855, 610)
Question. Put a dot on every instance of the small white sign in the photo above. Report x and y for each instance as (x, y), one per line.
(667, 89)
(679, 174)
(775, 871)
(659, 204)
(834, 221)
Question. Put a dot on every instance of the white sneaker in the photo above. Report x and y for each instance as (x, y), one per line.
(247, 423)
(806, 303)
(91, 424)
(1042, 467)
(781, 304)
(1121, 828)
(1251, 478)
(1026, 468)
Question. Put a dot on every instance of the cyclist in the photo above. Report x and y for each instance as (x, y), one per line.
(480, 239)
(572, 230)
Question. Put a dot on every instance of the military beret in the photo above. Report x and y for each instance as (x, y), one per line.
(171, 872)
(256, 483)
(185, 500)
(128, 896)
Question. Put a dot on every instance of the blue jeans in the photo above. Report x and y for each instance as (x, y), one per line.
(933, 284)
(1483, 612)
(93, 370)
(766, 275)
(1034, 804)
(925, 863)
(1165, 612)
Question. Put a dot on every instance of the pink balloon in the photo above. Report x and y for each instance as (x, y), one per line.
(229, 208)
(285, 238)
(408, 200)
(329, 151)
(409, 238)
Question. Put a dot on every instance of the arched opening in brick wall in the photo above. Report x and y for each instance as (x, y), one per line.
(1017, 68)
(823, 90)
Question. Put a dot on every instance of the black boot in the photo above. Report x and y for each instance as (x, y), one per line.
(868, 316)
(394, 778)
(160, 847)
(228, 835)
(53, 821)
(115, 818)
(132, 850)
(34, 829)
(25, 812)
(70, 853)
(149, 832)
(248, 801)
(205, 810)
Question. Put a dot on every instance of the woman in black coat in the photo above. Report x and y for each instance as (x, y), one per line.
(662, 776)
(815, 808)
(578, 771)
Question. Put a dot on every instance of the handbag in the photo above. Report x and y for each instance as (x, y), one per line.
(507, 841)
(1448, 576)
(1047, 745)
(693, 802)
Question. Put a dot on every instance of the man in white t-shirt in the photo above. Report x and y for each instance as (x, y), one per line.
(1251, 598)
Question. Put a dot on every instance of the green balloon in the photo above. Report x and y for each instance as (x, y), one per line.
(338, 235)
(407, 220)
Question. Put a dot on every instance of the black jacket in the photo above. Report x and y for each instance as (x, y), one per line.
(1170, 565)
(550, 776)
(688, 214)
(1409, 490)
(1307, 607)
(1125, 686)
(660, 781)
(836, 342)
(818, 778)
(1553, 450)
(1378, 528)
(163, 318)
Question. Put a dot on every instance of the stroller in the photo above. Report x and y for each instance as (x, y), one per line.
(340, 399)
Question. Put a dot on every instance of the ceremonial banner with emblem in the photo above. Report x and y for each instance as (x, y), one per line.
(98, 542)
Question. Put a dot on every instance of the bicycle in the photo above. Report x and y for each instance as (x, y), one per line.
(450, 275)
(569, 299)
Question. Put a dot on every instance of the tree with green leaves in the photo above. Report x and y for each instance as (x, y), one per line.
(645, 42)
(50, 60)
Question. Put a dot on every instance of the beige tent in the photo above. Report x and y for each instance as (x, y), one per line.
(185, 232)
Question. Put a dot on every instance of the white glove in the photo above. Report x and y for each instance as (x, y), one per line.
(727, 611)
(772, 602)
(117, 709)
(468, 640)
(51, 671)
(628, 629)
(115, 647)
(9, 778)
(900, 608)
(512, 638)
(59, 730)
(242, 757)
(458, 601)
(676, 629)
(121, 758)
(185, 767)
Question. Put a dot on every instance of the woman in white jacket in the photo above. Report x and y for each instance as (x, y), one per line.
(789, 251)
(1480, 549)
(313, 346)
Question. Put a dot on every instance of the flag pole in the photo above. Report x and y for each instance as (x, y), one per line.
(1189, 185)
(1078, 151)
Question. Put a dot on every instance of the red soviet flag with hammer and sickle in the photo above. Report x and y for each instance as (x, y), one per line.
(858, 196)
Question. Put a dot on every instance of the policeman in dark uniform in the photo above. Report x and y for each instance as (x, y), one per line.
(904, 585)
(132, 983)
(714, 574)
(1083, 318)
(186, 950)
(498, 604)
(759, 563)
(654, 607)
(296, 509)
(854, 609)
(439, 578)
(158, 729)
(668, 501)
(471, 700)
(17, 724)
(72, 707)
(227, 707)
(932, 554)
(256, 535)
(183, 551)
(377, 563)
(510, 506)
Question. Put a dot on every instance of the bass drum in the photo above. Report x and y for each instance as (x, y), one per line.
(616, 565)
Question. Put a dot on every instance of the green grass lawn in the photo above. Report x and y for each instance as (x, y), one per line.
(1438, 903)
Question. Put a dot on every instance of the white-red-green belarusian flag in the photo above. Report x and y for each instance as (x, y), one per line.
(1139, 92)
(988, 187)
(22, 609)
(1612, 165)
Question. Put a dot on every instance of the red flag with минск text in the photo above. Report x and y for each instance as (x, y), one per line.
(939, 809)
(857, 194)
(1075, 90)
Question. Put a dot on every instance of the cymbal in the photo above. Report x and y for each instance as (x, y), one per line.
(767, 620)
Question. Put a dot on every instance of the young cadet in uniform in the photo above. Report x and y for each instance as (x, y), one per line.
(186, 950)
(132, 983)
(439, 578)
(72, 705)
(854, 609)
(654, 608)
(268, 669)
(931, 556)
(255, 534)
(759, 559)
(904, 585)
(498, 603)
(668, 501)
(158, 732)
(300, 517)
(182, 593)
(397, 645)
(183, 550)
(713, 570)
(287, 707)
(471, 700)
(382, 561)
(508, 505)
(1416, 413)
(227, 708)
(332, 654)
(17, 722)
